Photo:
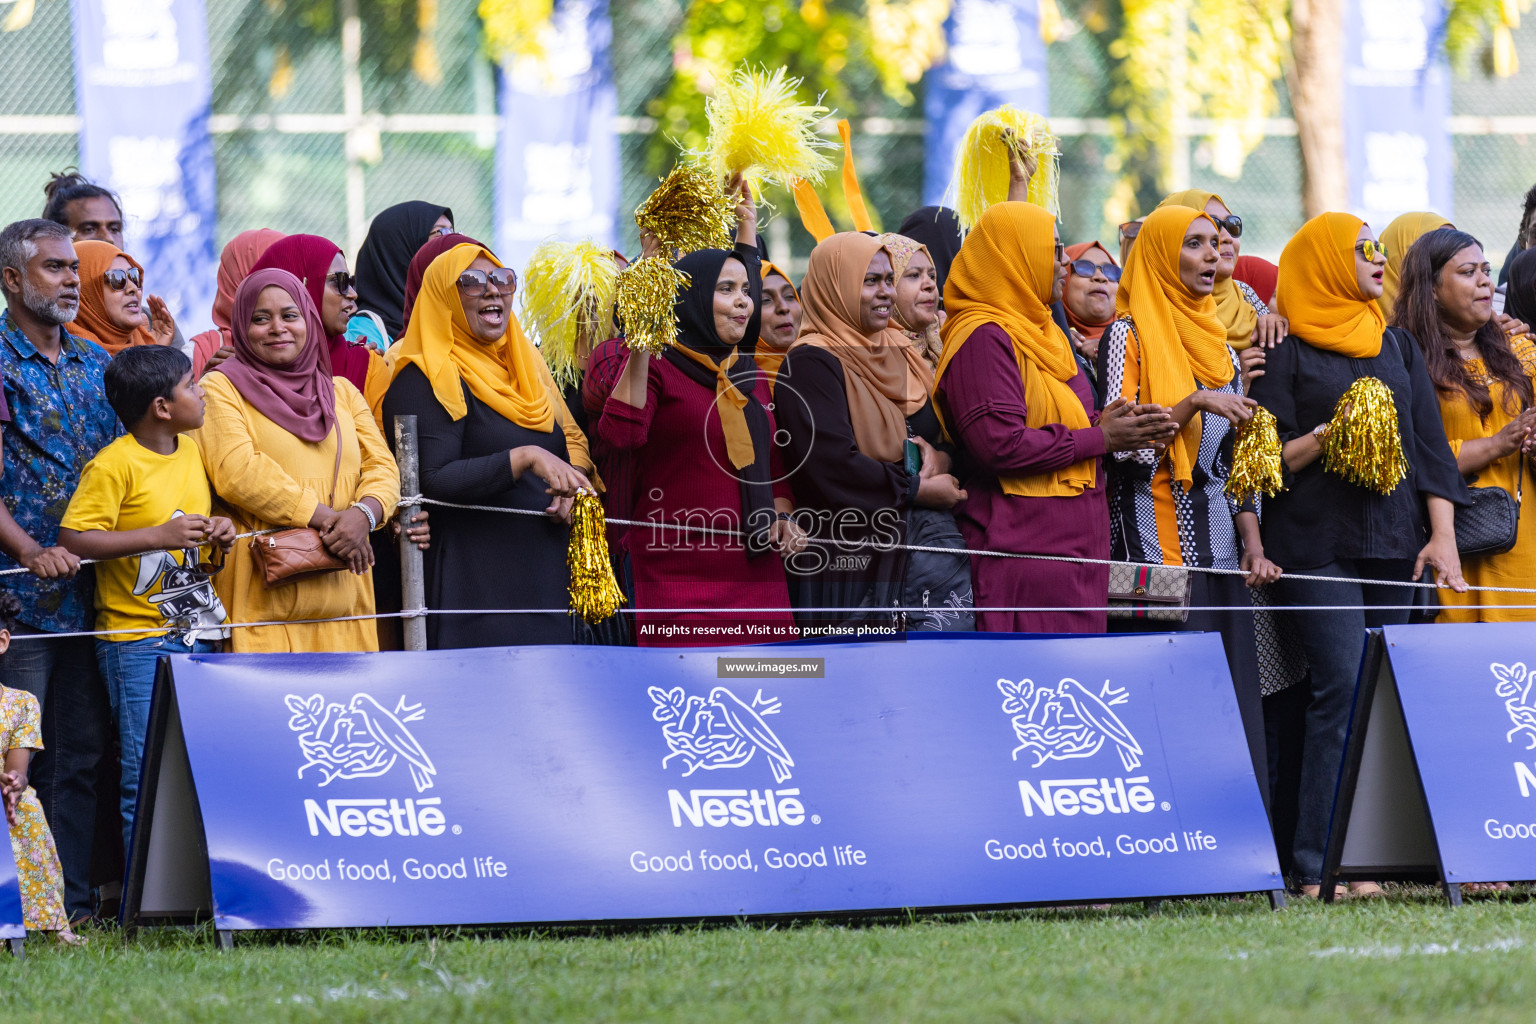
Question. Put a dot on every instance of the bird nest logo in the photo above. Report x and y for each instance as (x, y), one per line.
(1514, 686)
(721, 732)
(361, 739)
(1068, 721)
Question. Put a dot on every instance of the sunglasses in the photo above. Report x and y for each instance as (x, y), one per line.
(117, 280)
(342, 281)
(1130, 229)
(1370, 250)
(1087, 268)
(474, 282)
(1231, 223)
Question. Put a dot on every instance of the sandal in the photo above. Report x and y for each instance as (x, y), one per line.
(1314, 891)
(1365, 891)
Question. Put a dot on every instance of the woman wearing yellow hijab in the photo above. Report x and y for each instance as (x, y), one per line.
(1169, 348)
(1016, 401)
(1323, 524)
(493, 431)
(1397, 239)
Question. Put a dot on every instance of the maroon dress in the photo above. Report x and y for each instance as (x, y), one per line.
(676, 485)
(983, 400)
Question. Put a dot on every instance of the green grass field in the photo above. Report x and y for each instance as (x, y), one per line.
(1405, 958)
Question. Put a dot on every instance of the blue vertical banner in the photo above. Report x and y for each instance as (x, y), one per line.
(996, 56)
(144, 92)
(557, 154)
(1397, 98)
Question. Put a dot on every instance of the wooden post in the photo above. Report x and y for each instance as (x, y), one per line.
(413, 591)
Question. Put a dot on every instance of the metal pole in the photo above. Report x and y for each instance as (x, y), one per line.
(413, 590)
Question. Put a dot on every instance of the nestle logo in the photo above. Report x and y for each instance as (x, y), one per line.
(1087, 796)
(741, 807)
(376, 817)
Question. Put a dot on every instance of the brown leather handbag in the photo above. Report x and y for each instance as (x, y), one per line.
(291, 555)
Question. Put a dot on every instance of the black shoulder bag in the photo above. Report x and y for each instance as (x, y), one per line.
(1490, 524)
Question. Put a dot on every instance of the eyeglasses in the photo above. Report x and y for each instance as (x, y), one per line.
(342, 281)
(1060, 252)
(117, 280)
(1371, 249)
(1232, 223)
(474, 282)
(1129, 230)
(1088, 268)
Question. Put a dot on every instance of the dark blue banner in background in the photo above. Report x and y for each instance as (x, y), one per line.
(550, 784)
(996, 56)
(557, 154)
(143, 93)
(1397, 99)
(11, 926)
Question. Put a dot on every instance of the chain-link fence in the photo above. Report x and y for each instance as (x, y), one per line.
(283, 149)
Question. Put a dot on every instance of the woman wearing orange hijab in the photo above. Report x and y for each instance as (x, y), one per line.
(850, 394)
(1170, 348)
(112, 307)
(1023, 410)
(781, 312)
(1326, 525)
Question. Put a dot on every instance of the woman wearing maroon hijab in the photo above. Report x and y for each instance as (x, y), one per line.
(319, 265)
(431, 250)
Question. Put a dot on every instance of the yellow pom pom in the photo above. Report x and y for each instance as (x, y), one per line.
(567, 299)
(1363, 444)
(647, 303)
(759, 128)
(595, 593)
(981, 162)
(1256, 467)
(688, 212)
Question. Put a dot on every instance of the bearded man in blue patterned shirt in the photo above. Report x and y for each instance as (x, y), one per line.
(59, 419)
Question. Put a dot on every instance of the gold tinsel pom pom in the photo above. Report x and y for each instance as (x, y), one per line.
(981, 163)
(1256, 467)
(595, 594)
(647, 303)
(688, 212)
(758, 128)
(567, 298)
(1363, 444)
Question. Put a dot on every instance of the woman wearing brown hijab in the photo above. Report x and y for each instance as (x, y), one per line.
(850, 396)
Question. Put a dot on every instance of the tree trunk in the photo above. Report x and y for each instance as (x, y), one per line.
(1317, 99)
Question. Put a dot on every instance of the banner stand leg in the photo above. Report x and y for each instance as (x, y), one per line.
(1152, 906)
(225, 940)
(1453, 893)
(1277, 899)
(18, 948)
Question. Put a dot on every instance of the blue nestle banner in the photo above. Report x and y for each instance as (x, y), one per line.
(1397, 99)
(995, 56)
(1469, 703)
(557, 157)
(588, 783)
(11, 919)
(143, 93)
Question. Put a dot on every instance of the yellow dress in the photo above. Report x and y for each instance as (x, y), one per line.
(262, 477)
(1517, 566)
(37, 862)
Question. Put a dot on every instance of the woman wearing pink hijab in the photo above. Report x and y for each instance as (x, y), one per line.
(211, 348)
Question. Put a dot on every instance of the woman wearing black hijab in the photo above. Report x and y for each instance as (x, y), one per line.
(706, 388)
(938, 228)
(385, 256)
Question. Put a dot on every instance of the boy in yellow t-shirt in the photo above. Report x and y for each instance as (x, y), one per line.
(143, 509)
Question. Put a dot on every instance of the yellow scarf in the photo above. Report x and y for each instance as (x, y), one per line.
(1399, 237)
(1236, 312)
(1181, 338)
(1003, 275)
(1319, 292)
(729, 403)
(509, 376)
